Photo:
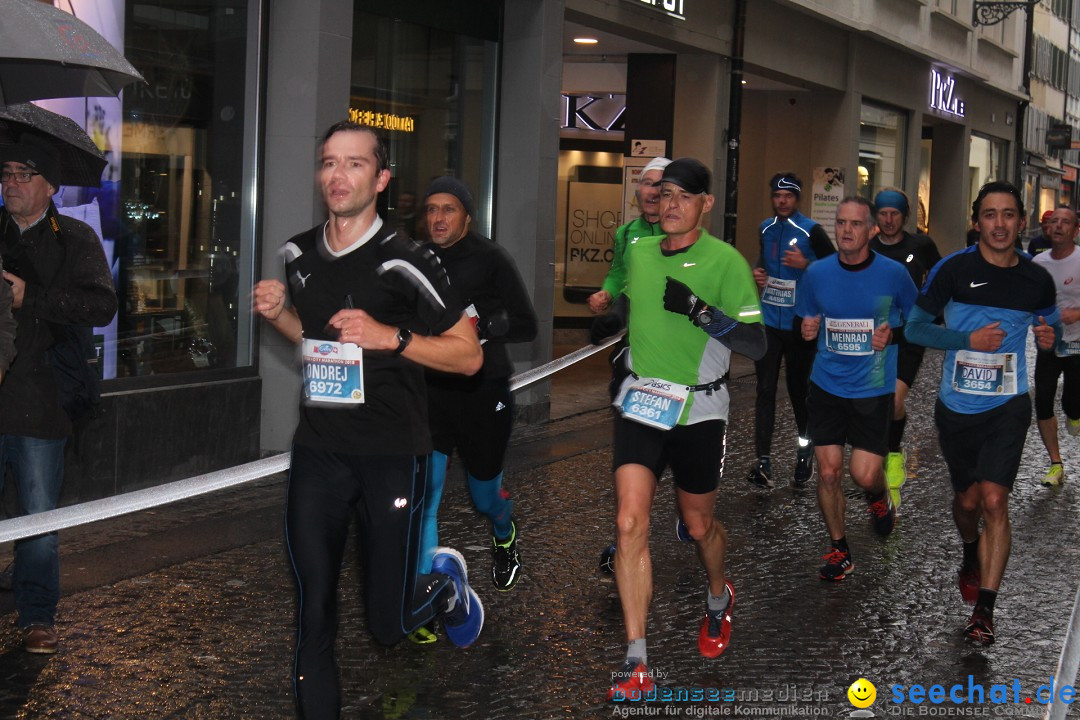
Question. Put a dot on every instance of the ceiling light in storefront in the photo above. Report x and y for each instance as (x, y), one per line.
(586, 40)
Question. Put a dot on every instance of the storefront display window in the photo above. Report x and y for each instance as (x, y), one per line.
(171, 210)
(986, 162)
(173, 202)
(430, 91)
(882, 133)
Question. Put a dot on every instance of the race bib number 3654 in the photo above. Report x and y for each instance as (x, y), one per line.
(977, 373)
(333, 372)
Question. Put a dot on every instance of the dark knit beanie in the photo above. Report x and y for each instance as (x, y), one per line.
(452, 186)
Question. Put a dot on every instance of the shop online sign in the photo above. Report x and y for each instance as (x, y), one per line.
(672, 8)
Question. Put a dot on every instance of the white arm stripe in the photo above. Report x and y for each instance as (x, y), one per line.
(413, 273)
(290, 251)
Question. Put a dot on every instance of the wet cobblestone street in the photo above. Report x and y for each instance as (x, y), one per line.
(210, 635)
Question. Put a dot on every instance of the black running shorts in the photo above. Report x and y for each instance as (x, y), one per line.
(908, 360)
(695, 452)
(862, 423)
(984, 446)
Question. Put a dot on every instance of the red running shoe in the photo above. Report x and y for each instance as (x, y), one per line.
(631, 682)
(980, 627)
(715, 635)
(969, 580)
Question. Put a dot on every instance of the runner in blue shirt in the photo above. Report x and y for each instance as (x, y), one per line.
(989, 294)
(851, 304)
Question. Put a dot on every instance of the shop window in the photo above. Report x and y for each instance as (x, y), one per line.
(170, 211)
(182, 230)
(986, 162)
(882, 136)
(431, 92)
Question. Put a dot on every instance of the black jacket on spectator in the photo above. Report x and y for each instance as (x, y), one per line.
(68, 282)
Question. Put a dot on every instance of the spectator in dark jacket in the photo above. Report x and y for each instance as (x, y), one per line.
(58, 276)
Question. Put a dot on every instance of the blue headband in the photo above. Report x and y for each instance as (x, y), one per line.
(892, 199)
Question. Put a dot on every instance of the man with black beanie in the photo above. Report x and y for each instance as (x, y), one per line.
(475, 414)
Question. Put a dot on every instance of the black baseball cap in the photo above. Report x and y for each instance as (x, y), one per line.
(689, 174)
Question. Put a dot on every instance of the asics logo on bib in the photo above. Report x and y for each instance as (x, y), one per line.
(975, 284)
(659, 385)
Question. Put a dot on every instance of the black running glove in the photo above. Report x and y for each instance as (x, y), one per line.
(678, 298)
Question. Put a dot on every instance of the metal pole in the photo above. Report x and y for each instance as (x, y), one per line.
(1022, 105)
(734, 130)
(1068, 664)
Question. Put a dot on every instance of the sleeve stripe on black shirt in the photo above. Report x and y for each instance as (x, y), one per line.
(413, 274)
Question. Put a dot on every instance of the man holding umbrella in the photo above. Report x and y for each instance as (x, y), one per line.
(58, 277)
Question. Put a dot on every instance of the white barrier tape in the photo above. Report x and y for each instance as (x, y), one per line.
(524, 379)
(1068, 665)
(88, 512)
(40, 523)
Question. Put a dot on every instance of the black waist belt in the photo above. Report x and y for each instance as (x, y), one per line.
(708, 387)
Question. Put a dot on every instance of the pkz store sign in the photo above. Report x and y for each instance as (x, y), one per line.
(671, 8)
(605, 113)
(943, 94)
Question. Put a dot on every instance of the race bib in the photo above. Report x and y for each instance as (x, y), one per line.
(474, 318)
(977, 373)
(333, 372)
(1067, 348)
(849, 337)
(780, 293)
(654, 402)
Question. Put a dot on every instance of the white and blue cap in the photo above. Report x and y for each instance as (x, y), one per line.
(657, 163)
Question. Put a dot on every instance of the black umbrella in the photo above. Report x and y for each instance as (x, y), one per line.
(48, 53)
(81, 163)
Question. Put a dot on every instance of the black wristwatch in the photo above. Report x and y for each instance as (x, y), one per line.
(404, 337)
(704, 317)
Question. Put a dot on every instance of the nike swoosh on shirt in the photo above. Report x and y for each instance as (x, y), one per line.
(689, 264)
(975, 284)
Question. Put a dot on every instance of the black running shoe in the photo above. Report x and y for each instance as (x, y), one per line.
(980, 627)
(882, 516)
(761, 474)
(838, 565)
(804, 467)
(505, 561)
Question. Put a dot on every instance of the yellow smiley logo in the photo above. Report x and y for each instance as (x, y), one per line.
(862, 693)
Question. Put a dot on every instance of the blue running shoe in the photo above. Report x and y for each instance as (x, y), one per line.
(464, 621)
(681, 531)
(607, 560)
